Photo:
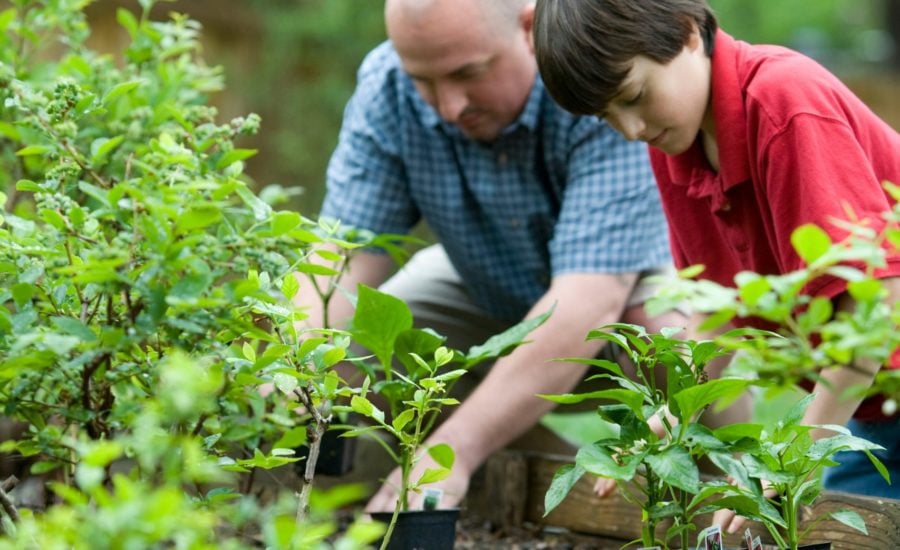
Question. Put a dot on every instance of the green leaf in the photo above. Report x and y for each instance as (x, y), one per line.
(43, 467)
(249, 352)
(290, 286)
(691, 271)
(851, 519)
(285, 382)
(292, 438)
(53, 218)
(74, 327)
(233, 156)
(309, 345)
(433, 475)
(627, 397)
(362, 406)
(29, 186)
(119, 90)
(404, 418)
(416, 342)
(102, 147)
(810, 242)
(378, 320)
(198, 217)
(442, 454)
(101, 453)
(282, 222)
(795, 414)
(867, 290)
(692, 400)
(598, 460)
(675, 466)
(9, 131)
(751, 287)
(128, 21)
(563, 480)
(316, 269)
(505, 342)
(32, 150)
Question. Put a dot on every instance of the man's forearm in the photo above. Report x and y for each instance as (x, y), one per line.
(505, 404)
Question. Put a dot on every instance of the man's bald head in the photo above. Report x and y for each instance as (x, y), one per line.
(495, 15)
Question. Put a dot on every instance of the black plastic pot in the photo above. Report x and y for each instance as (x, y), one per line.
(336, 455)
(422, 529)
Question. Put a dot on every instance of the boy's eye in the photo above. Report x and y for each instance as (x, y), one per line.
(636, 98)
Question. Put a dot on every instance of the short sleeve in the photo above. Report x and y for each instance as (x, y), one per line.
(367, 185)
(816, 171)
(610, 219)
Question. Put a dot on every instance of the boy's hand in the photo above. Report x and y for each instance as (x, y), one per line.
(731, 522)
(604, 487)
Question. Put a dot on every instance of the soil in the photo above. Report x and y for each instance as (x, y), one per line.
(473, 534)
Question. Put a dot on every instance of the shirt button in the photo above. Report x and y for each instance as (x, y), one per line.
(726, 207)
(515, 223)
(502, 159)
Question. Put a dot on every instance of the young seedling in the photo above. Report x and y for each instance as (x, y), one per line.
(655, 470)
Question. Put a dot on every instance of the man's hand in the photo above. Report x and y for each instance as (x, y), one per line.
(454, 488)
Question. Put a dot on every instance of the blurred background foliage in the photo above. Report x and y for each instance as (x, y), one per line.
(294, 62)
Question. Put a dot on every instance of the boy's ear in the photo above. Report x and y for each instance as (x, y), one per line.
(694, 40)
(526, 21)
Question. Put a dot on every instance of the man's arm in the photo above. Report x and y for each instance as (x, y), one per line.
(505, 405)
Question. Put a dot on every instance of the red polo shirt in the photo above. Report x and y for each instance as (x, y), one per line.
(795, 147)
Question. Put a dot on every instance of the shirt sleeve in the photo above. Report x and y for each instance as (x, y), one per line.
(816, 171)
(367, 185)
(611, 220)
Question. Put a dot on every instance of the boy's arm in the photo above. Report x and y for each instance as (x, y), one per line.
(830, 405)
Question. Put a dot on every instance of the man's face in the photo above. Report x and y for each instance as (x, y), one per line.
(664, 105)
(475, 79)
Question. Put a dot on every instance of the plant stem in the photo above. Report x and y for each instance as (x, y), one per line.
(314, 439)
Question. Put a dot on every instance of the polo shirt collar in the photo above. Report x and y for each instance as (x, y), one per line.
(726, 96)
(729, 112)
(528, 119)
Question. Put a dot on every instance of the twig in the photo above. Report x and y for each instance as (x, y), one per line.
(7, 503)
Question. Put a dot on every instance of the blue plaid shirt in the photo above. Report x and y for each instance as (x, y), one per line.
(555, 193)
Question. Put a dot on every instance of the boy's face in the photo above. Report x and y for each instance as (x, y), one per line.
(476, 77)
(665, 105)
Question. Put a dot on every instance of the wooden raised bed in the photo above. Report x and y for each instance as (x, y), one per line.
(509, 493)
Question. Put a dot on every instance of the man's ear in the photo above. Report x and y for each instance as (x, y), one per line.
(526, 21)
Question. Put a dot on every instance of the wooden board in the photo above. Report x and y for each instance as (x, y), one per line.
(510, 491)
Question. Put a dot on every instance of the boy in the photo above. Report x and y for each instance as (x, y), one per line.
(747, 143)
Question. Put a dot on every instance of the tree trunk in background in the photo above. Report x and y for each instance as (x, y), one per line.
(893, 27)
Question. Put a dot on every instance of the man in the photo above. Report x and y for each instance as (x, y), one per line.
(533, 207)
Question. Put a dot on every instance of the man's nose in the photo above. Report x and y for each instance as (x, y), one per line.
(450, 101)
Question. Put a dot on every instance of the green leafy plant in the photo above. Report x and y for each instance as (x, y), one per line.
(656, 471)
(778, 472)
(413, 374)
(807, 335)
(138, 271)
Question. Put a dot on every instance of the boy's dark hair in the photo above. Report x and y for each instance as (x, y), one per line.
(584, 48)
